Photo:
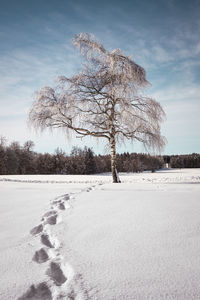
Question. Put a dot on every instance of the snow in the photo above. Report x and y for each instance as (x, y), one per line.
(83, 237)
(168, 176)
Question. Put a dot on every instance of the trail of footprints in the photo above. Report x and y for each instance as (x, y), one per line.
(58, 272)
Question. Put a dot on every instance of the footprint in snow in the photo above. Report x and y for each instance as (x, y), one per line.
(50, 242)
(61, 206)
(59, 203)
(65, 197)
(56, 273)
(51, 217)
(52, 220)
(46, 241)
(38, 292)
(49, 213)
(40, 256)
(37, 229)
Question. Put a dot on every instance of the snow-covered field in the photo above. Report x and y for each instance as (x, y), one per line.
(82, 237)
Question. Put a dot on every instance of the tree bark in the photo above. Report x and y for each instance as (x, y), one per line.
(113, 161)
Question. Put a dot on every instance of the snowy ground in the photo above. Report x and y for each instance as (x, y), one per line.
(82, 237)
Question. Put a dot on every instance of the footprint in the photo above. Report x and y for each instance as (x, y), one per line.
(56, 273)
(65, 197)
(38, 292)
(46, 241)
(61, 206)
(59, 203)
(52, 220)
(49, 213)
(49, 241)
(36, 229)
(55, 202)
(40, 256)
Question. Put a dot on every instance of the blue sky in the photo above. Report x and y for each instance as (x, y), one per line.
(162, 36)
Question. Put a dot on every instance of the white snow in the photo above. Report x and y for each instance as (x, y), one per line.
(83, 237)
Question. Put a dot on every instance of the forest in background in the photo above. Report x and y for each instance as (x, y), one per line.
(17, 159)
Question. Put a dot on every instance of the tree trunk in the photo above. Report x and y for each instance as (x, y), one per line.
(113, 161)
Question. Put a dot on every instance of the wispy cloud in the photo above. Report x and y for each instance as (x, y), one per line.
(25, 71)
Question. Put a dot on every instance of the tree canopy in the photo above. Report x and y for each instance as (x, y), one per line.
(105, 99)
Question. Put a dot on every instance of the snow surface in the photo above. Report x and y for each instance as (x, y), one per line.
(82, 237)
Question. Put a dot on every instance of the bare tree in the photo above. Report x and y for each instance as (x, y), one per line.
(105, 100)
(29, 145)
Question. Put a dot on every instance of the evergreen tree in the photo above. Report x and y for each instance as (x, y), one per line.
(90, 164)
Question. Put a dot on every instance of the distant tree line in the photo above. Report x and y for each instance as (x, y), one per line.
(185, 161)
(17, 159)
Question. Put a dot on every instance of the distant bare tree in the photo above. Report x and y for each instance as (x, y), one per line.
(29, 145)
(105, 100)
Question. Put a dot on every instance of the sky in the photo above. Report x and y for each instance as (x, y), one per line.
(162, 36)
